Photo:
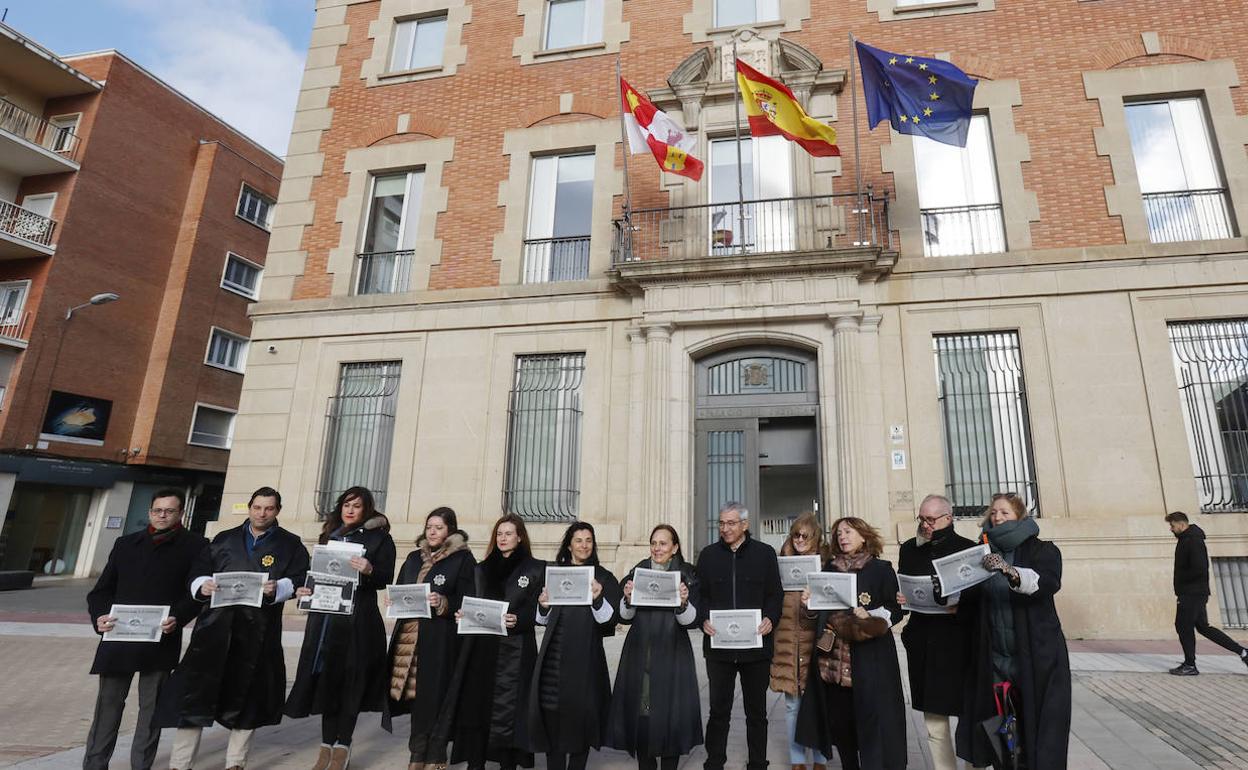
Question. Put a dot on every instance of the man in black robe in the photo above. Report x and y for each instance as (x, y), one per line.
(738, 572)
(233, 671)
(935, 644)
(152, 567)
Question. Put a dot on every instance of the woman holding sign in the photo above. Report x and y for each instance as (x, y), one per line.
(342, 666)
(655, 712)
(853, 700)
(1016, 637)
(423, 650)
(571, 690)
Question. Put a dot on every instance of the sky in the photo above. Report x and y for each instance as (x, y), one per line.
(240, 59)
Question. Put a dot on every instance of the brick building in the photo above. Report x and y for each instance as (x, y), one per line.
(459, 313)
(113, 183)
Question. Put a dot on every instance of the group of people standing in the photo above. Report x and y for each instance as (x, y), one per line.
(503, 699)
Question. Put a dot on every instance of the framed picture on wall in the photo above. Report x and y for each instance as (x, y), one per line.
(76, 419)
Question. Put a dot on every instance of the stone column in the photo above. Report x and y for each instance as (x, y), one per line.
(656, 441)
(851, 446)
(634, 522)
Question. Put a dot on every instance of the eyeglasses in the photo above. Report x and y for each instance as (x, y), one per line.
(930, 521)
(729, 524)
(165, 511)
(803, 536)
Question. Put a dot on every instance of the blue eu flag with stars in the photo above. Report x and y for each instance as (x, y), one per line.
(917, 95)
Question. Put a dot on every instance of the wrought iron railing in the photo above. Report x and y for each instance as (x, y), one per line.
(542, 481)
(1189, 215)
(13, 325)
(37, 130)
(959, 230)
(773, 225)
(383, 272)
(1231, 575)
(359, 433)
(27, 225)
(556, 259)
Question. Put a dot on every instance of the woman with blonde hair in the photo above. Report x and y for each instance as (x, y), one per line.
(853, 700)
(795, 638)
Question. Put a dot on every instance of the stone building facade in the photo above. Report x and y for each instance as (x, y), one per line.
(469, 302)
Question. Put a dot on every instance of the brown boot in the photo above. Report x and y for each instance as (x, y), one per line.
(799, 767)
(322, 759)
(338, 757)
(820, 767)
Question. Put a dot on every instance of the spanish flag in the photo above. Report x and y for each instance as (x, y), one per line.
(773, 110)
(649, 129)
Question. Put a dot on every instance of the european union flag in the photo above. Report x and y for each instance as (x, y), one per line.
(917, 95)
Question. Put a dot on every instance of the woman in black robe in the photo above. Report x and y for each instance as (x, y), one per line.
(423, 650)
(655, 712)
(854, 700)
(1016, 637)
(571, 691)
(490, 689)
(342, 665)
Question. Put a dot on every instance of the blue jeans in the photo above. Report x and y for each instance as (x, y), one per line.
(797, 752)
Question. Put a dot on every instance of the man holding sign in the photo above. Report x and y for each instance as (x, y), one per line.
(150, 567)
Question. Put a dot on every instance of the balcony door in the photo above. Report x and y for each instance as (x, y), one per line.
(765, 222)
(385, 260)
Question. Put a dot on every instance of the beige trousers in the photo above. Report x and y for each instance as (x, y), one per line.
(940, 741)
(186, 746)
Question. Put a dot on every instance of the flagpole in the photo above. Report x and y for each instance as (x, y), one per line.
(625, 149)
(853, 86)
(736, 111)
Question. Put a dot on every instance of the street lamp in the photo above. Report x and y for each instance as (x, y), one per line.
(98, 299)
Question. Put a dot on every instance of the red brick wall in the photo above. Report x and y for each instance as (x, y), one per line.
(1045, 45)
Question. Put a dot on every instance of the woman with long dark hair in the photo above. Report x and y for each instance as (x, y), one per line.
(1016, 637)
(571, 690)
(423, 650)
(655, 713)
(853, 700)
(342, 665)
(491, 685)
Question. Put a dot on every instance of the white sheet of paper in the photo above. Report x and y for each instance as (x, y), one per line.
(656, 588)
(570, 586)
(793, 570)
(483, 616)
(244, 589)
(137, 622)
(832, 590)
(921, 597)
(736, 629)
(959, 571)
(334, 558)
(408, 600)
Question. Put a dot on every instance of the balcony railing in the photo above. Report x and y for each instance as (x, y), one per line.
(37, 130)
(774, 225)
(13, 325)
(1189, 215)
(383, 272)
(556, 259)
(27, 225)
(959, 230)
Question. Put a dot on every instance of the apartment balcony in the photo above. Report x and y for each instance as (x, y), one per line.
(383, 272)
(14, 329)
(24, 234)
(31, 145)
(843, 232)
(953, 231)
(1189, 215)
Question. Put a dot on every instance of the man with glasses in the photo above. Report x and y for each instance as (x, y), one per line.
(151, 566)
(935, 644)
(738, 572)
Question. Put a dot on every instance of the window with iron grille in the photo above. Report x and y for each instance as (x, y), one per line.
(544, 438)
(983, 409)
(359, 432)
(1230, 574)
(1211, 364)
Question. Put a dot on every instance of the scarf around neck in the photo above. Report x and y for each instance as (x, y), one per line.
(1009, 535)
(851, 562)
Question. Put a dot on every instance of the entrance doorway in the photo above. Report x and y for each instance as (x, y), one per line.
(757, 439)
(43, 528)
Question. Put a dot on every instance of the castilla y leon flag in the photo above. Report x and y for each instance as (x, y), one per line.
(773, 110)
(650, 130)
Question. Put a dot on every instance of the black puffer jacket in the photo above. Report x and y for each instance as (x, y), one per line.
(1191, 563)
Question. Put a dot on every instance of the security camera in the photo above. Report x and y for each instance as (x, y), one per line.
(272, 348)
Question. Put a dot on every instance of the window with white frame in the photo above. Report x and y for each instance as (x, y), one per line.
(255, 208)
(733, 13)
(765, 222)
(544, 437)
(226, 350)
(561, 199)
(212, 427)
(959, 199)
(359, 432)
(241, 276)
(985, 421)
(573, 22)
(12, 304)
(418, 43)
(386, 252)
(1185, 196)
(62, 133)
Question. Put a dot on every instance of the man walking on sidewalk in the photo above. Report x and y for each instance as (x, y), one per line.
(1191, 586)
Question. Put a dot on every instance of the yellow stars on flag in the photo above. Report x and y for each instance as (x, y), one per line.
(914, 119)
(934, 96)
(927, 112)
(923, 66)
(903, 118)
(931, 79)
(893, 61)
(909, 60)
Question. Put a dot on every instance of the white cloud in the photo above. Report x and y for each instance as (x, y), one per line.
(224, 55)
